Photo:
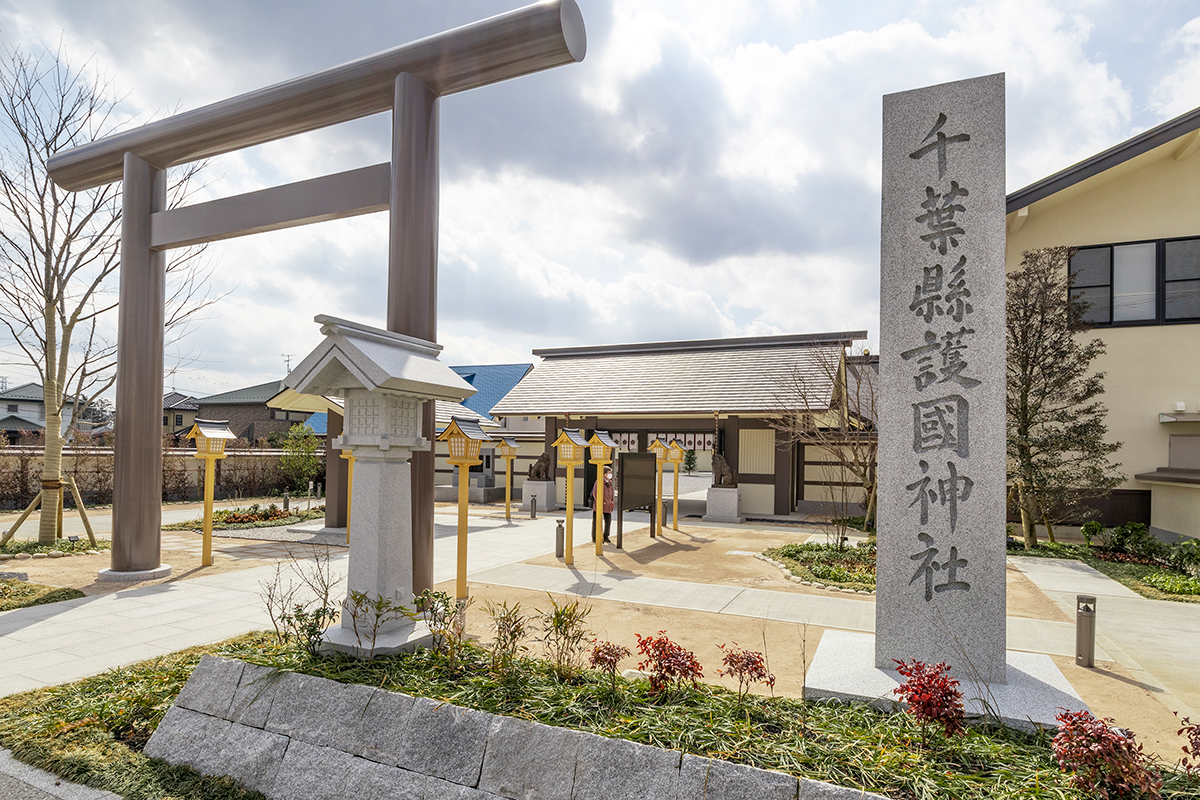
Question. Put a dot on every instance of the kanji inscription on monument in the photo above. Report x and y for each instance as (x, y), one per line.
(940, 564)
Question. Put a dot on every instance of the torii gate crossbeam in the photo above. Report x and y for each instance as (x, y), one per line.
(409, 80)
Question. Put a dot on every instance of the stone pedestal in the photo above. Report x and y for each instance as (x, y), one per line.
(544, 491)
(724, 504)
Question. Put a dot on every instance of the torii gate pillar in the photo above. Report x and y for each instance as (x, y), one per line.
(408, 80)
(412, 276)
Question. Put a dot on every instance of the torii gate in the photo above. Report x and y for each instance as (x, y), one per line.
(408, 80)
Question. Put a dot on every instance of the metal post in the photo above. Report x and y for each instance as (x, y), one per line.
(286, 501)
(675, 501)
(412, 275)
(206, 557)
(570, 554)
(533, 507)
(137, 456)
(508, 462)
(461, 584)
(558, 539)
(1085, 630)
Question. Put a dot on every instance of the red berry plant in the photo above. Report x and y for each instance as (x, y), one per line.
(932, 696)
(1191, 750)
(668, 662)
(1105, 760)
(747, 666)
(605, 657)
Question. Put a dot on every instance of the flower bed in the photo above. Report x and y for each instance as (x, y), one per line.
(844, 567)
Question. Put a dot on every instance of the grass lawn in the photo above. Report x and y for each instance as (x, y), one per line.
(22, 594)
(32, 546)
(1130, 574)
(92, 731)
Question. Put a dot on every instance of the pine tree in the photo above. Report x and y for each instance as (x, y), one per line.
(1057, 453)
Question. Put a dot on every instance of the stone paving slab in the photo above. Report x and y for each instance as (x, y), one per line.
(844, 668)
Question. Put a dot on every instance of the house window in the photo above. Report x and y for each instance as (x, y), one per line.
(13, 408)
(178, 420)
(164, 420)
(1139, 283)
(42, 411)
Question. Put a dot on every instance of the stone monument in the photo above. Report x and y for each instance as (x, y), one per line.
(940, 584)
(385, 379)
(940, 567)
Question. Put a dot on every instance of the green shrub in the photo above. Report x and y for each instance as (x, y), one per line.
(1172, 583)
(1091, 530)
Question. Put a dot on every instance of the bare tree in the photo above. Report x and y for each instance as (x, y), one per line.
(59, 250)
(1057, 455)
(830, 404)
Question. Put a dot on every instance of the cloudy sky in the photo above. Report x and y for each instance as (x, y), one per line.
(710, 169)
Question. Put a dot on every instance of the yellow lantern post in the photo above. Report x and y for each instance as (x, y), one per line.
(210, 436)
(507, 449)
(601, 446)
(350, 459)
(675, 454)
(571, 448)
(464, 437)
(660, 458)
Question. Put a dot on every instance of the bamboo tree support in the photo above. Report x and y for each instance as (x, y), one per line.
(87, 525)
(59, 529)
(37, 501)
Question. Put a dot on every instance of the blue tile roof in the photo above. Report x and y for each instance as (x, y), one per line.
(319, 422)
(491, 382)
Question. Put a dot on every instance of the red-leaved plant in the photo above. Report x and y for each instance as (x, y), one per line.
(1191, 750)
(747, 666)
(605, 657)
(667, 661)
(932, 696)
(1106, 760)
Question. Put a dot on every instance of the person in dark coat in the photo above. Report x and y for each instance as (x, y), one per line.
(609, 502)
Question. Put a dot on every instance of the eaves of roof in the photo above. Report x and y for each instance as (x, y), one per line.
(689, 345)
(259, 393)
(1090, 167)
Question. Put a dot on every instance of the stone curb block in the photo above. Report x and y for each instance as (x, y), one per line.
(299, 737)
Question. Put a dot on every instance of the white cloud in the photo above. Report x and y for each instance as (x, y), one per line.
(1179, 90)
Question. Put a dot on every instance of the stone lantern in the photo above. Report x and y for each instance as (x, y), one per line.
(384, 379)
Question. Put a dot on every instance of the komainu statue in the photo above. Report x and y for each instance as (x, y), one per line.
(540, 469)
(722, 474)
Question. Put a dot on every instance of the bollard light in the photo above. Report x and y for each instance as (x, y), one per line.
(464, 438)
(1085, 630)
(210, 436)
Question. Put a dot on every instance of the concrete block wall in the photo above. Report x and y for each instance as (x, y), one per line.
(298, 737)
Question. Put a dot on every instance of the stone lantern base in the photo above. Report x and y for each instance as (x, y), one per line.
(404, 639)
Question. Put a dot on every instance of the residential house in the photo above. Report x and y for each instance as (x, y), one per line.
(24, 409)
(179, 413)
(247, 411)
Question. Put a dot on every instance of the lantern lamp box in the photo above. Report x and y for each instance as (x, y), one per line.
(384, 379)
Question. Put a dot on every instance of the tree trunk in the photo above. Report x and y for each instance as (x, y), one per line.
(1049, 527)
(51, 467)
(1025, 500)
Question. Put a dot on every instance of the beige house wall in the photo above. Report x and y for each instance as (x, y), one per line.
(1148, 368)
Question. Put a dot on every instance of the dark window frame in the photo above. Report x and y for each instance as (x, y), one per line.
(1160, 284)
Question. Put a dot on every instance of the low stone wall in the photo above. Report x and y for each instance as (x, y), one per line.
(298, 737)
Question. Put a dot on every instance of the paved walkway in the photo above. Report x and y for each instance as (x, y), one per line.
(1158, 641)
(59, 642)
